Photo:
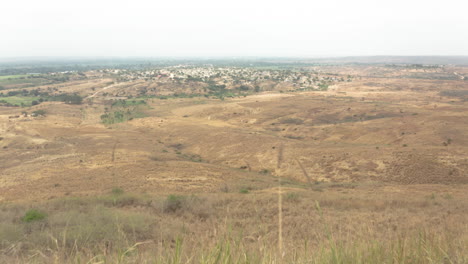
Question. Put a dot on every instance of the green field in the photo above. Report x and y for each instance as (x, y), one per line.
(6, 77)
(17, 100)
(21, 81)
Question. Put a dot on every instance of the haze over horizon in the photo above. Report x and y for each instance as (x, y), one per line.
(208, 28)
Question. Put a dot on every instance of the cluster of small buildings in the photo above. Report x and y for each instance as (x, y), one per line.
(230, 76)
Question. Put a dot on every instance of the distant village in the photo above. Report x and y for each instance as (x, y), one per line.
(231, 77)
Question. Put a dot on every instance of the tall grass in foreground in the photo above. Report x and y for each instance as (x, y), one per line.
(121, 228)
(418, 248)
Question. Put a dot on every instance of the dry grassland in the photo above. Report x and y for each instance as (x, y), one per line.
(372, 171)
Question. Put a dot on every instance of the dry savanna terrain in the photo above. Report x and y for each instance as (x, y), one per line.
(373, 169)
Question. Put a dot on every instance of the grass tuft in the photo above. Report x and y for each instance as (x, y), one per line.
(33, 215)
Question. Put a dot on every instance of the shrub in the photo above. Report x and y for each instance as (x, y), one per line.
(117, 191)
(173, 203)
(39, 112)
(33, 215)
(191, 205)
(244, 190)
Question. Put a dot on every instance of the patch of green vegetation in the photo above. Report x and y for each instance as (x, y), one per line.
(33, 215)
(67, 98)
(125, 103)
(323, 86)
(123, 112)
(24, 81)
(6, 77)
(185, 95)
(18, 100)
(192, 157)
(244, 190)
(25, 98)
(220, 91)
(120, 116)
(174, 96)
(40, 112)
(117, 191)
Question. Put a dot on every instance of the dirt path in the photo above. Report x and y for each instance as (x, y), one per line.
(103, 89)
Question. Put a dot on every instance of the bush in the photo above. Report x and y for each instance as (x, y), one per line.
(33, 215)
(39, 112)
(173, 203)
(193, 205)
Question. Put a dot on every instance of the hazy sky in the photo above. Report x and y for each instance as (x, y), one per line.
(233, 28)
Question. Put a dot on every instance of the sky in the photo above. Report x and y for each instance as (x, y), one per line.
(218, 28)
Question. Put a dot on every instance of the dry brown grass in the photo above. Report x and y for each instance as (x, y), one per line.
(333, 226)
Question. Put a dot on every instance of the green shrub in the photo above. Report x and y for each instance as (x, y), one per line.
(33, 215)
(39, 112)
(244, 190)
